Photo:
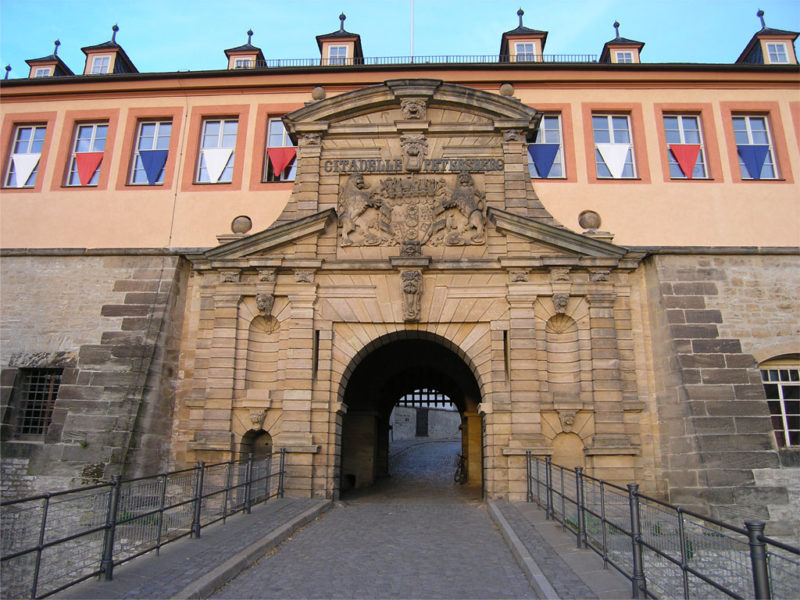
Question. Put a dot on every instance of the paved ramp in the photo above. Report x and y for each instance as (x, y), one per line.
(414, 535)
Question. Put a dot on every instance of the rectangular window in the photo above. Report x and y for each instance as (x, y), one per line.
(35, 396)
(217, 151)
(42, 72)
(777, 53)
(624, 56)
(337, 55)
(243, 63)
(87, 154)
(613, 147)
(782, 387)
(524, 51)
(23, 164)
(685, 149)
(100, 64)
(547, 152)
(150, 153)
(754, 147)
(279, 150)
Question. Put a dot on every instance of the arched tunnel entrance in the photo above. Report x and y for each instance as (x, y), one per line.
(394, 369)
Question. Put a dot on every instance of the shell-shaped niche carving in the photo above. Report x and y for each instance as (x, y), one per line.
(262, 352)
(563, 356)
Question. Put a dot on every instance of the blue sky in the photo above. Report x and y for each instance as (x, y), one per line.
(181, 35)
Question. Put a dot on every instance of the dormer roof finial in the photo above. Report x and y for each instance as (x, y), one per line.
(616, 28)
(342, 17)
(249, 35)
(8, 70)
(760, 15)
(55, 51)
(520, 12)
(115, 29)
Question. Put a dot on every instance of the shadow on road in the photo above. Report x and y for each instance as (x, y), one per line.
(419, 471)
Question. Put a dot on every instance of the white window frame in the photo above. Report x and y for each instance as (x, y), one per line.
(746, 136)
(623, 56)
(205, 138)
(157, 143)
(42, 72)
(28, 146)
(613, 138)
(545, 135)
(777, 52)
(781, 380)
(524, 51)
(275, 127)
(242, 63)
(97, 143)
(101, 69)
(341, 55)
(674, 168)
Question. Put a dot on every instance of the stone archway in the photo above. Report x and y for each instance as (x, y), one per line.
(392, 368)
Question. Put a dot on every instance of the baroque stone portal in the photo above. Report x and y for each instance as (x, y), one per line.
(392, 211)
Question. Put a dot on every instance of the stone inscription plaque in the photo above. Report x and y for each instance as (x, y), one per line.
(389, 211)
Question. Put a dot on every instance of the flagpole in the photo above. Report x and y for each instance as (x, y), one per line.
(412, 31)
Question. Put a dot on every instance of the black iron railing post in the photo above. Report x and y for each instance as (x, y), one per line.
(604, 522)
(758, 556)
(267, 476)
(548, 475)
(107, 563)
(579, 504)
(528, 476)
(161, 511)
(637, 581)
(198, 499)
(563, 496)
(248, 482)
(538, 483)
(226, 497)
(684, 552)
(280, 474)
(42, 529)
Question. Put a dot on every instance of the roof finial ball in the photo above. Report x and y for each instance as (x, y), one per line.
(55, 51)
(520, 12)
(760, 15)
(249, 35)
(8, 70)
(616, 27)
(115, 29)
(342, 17)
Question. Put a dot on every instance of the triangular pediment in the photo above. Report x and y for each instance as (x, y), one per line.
(559, 239)
(273, 239)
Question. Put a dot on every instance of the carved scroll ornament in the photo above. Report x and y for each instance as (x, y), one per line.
(411, 282)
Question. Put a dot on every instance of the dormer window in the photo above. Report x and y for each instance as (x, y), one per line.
(624, 56)
(777, 53)
(100, 64)
(42, 72)
(243, 63)
(337, 55)
(525, 51)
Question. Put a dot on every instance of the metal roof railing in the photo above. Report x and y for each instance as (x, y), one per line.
(439, 59)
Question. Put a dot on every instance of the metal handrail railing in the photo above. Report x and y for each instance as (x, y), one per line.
(55, 540)
(651, 542)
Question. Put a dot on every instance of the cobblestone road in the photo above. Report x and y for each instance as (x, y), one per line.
(414, 535)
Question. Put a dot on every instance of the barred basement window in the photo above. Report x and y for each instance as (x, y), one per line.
(782, 387)
(36, 396)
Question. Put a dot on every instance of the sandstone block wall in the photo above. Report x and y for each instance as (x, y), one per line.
(712, 316)
(109, 322)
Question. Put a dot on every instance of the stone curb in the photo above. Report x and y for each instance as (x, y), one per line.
(204, 586)
(534, 574)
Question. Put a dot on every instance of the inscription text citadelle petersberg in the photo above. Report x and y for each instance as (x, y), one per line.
(429, 165)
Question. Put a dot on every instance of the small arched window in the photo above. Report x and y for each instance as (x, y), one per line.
(781, 379)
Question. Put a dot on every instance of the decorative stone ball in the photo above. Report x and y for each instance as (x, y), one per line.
(589, 219)
(506, 89)
(241, 224)
(318, 93)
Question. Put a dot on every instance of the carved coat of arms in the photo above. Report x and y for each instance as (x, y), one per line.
(411, 209)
